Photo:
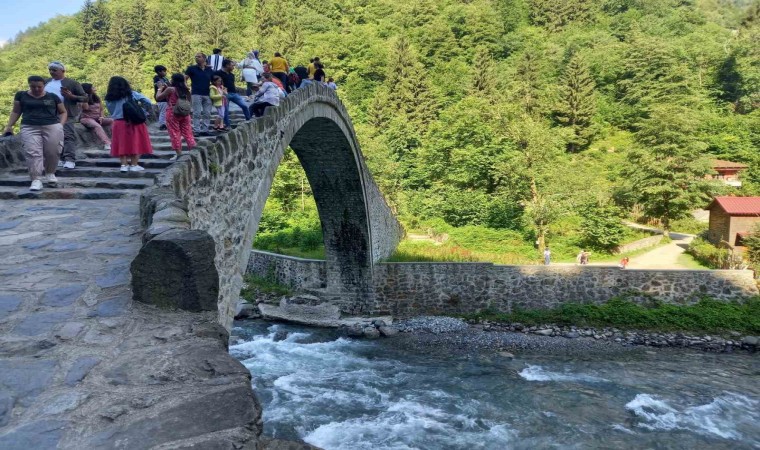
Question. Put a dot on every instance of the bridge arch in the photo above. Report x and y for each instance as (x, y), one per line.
(203, 214)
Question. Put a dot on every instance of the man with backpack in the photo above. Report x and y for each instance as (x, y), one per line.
(71, 94)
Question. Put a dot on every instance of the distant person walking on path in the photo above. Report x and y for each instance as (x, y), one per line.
(158, 80)
(200, 77)
(71, 94)
(177, 117)
(582, 258)
(92, 115)
(267, 95)
(547, 256)
(215, 60)
(42, 118)
(129, 140)
(624, 262)
(280, 69)
(252, 70)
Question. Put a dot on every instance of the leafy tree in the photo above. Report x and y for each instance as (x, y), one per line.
(577, 104)
(752, 243)
(667, 172)
(602, 228)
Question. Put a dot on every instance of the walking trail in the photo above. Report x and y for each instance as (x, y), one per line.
(664, 257)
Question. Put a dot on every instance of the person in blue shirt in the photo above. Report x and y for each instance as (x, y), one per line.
(128, 140)
(200, 78)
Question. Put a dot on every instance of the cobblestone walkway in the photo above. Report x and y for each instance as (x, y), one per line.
(81, 365)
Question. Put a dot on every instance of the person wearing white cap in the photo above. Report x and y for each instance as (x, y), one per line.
(71, 94)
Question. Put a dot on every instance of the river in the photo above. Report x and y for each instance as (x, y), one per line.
(338, 393)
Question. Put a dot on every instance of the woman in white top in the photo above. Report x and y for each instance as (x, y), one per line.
(252, 70)
(267, 95)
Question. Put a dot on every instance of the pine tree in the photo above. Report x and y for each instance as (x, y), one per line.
(135, 21)
(577, 103)
(94, 25)
(554, 15)
(155, 33)
(666, 174)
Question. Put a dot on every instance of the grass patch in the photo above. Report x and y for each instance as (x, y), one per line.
(689, 262)
(256, 285)
(708, 316)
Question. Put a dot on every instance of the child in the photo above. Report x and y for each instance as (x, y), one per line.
(218, 94)
(331, 84)
(92, 115)
(130, 140)
(179, 126)
(158, 80)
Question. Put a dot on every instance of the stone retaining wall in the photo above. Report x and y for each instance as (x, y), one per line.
(12, 150)
(408, 289)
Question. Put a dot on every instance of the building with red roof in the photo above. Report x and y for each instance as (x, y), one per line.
(731, 219)
(727, 171)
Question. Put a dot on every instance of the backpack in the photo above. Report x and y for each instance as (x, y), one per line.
(183, 107)
(132, 111)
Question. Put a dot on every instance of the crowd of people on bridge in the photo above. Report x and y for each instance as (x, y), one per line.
(52, 106)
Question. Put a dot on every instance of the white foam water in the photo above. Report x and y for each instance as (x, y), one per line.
(538, 373)
(721, 417)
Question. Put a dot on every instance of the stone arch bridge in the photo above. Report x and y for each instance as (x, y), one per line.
(203, 213)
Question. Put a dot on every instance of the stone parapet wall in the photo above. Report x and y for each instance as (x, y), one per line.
(408, 289)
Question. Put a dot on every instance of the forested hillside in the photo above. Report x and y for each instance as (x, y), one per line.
(538, 118)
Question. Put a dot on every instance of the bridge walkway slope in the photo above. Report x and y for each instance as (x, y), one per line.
(83, 366)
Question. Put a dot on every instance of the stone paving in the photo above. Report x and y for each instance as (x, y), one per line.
(84, 367)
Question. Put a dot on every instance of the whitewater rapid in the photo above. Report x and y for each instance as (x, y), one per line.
(337, 394)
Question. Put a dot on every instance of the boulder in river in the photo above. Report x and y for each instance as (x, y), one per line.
(371, 333)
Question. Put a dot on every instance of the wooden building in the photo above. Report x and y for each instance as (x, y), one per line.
(731, 219)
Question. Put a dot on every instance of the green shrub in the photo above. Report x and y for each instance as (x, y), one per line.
(689, 225)
(707, 315)
(714, 257)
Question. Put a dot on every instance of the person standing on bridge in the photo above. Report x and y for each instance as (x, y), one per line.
(200, 76)
(42, 118)
(252, 70)
(71, 94)
(280, 69)
(228, 80)
(178, 125)
(216, 60)
(129, 140)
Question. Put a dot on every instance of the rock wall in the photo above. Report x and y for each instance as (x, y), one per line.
(639, 244)
(221, 190)
(408, 289)
(12, 150)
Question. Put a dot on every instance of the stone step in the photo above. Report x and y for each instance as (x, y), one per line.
(97, 172)
(51, 193)
(74, 182)
(115, 162)
(105, 154)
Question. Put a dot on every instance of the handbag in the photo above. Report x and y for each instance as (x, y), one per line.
(132, 111)
(182, 108)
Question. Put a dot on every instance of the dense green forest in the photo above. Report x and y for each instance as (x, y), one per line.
(524, 120)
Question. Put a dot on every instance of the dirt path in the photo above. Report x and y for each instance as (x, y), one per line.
(665, 257)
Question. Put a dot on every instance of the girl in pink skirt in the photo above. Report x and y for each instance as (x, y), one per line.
(128, 140)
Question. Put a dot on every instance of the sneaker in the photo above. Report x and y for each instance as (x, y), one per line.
(107, 147)
(136, 168)
(36, 185)
(124, 169)
(51, 178)
(69, 165)
(60, 163)
(162, 127)
(174, 158)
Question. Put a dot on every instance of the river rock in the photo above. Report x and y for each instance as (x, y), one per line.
(247, 311)
(544, 332)
(387, 331)
(750, 341)
(371, 333)
(506, 355)
(280, 335)
(571, 335)
(354, 331)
